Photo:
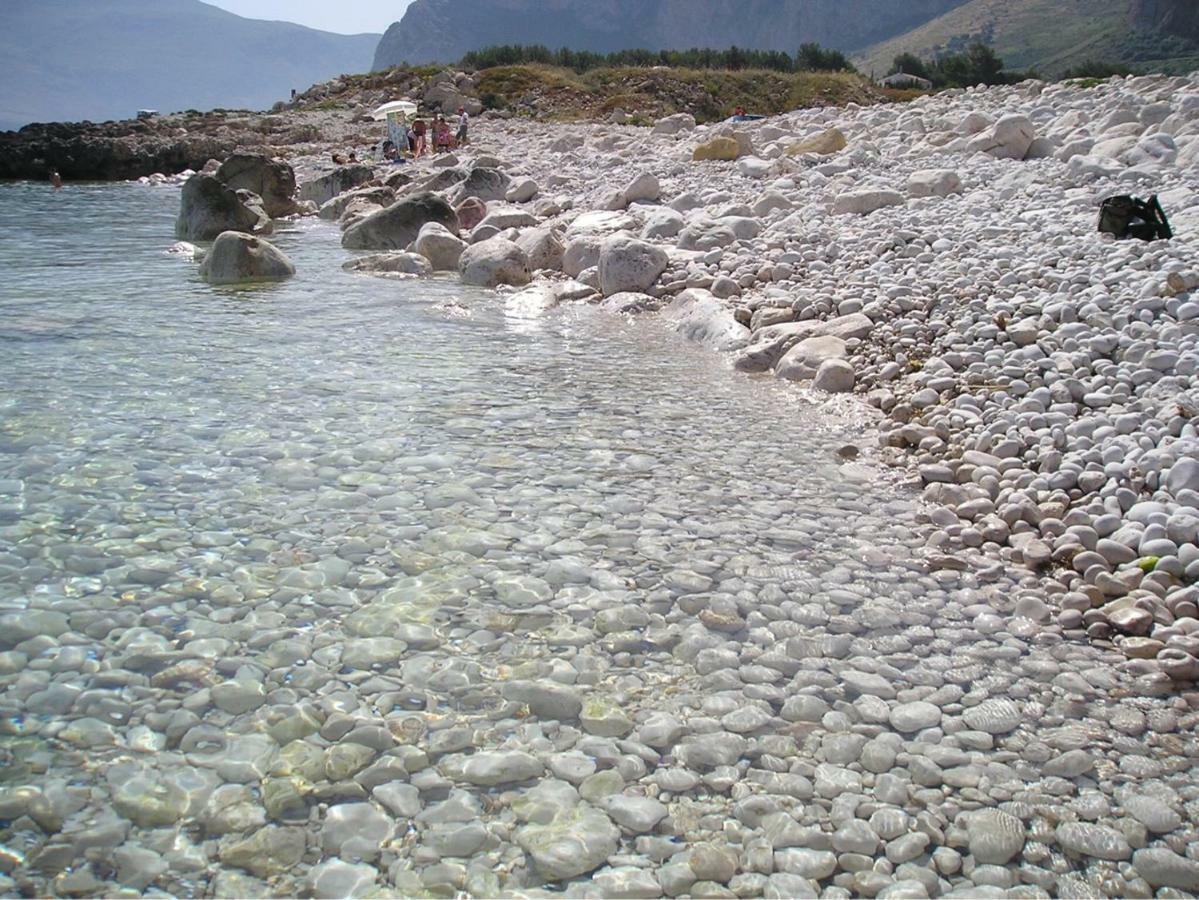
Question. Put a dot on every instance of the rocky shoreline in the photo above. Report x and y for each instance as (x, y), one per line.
(938, 258)
(1007, 711)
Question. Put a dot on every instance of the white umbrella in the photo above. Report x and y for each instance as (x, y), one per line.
(402, 107)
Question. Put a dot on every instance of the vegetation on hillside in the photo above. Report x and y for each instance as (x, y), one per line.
(646, 94)
(977, 65)
(1054, 38)
(810, 57)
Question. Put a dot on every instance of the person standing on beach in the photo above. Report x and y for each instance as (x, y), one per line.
(55, 179)
(463, 121)
(418, 130)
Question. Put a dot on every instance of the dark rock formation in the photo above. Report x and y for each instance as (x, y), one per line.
(397, 226)
(444, 30)
(111, 151)
(271, 179)
(208, 208)
(1176, 17)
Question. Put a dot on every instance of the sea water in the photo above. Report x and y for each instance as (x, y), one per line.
(270, 558)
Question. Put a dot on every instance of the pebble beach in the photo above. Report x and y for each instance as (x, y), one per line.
(888, 589)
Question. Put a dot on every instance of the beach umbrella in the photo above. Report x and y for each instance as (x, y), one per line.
(399, 108)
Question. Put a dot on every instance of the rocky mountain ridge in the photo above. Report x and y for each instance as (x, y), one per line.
(444, 30)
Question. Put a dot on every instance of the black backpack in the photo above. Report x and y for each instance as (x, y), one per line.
(1126, 216)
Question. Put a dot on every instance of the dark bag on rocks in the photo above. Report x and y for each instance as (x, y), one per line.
(1126, 216)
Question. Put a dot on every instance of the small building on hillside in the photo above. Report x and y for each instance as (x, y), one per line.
(901, 80)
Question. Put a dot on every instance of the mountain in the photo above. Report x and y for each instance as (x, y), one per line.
(1051, 36)
(1175, 17)
(67, 60)
(444, 30)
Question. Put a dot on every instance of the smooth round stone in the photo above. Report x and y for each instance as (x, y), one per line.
(1097, 841)
(494, 767)
(1148, 809)
(994, 837)
(992, 717)
(635, 814)
(813, 864)
(912, 717)
(356, 830)
(334, 879)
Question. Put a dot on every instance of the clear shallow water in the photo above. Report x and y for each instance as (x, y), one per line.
(272, 559)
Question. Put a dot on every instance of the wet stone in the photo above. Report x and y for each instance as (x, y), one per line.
(995, 837)
(572, 844)
(992, 717)
(1097, 841)
(501, 767)
(355, 831)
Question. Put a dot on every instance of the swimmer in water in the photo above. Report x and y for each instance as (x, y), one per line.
(55, 179)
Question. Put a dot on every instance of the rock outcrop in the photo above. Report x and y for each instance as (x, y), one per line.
(209, 207)
(271, 179)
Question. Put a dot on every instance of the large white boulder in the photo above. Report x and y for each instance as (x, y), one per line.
(543, 247)
(803, 360)
(522, 191)
(441, 248)
(1009, 139)
(675, 124)
(237, 258)
(628, 264)
(835, 376)
(863, 202)
(493, 262)
(581, 253)
(645, 188)
(934, 183)
(663, 222)
(770, 343)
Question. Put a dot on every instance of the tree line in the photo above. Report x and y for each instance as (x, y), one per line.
(978, 64)
(809, 58)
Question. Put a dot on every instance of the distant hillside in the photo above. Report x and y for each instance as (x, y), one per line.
(68, 60)
(444, 30)
(1052, 36)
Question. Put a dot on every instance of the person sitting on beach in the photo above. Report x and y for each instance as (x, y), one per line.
(418, 131)
(463, 121)
(338, 159)
(389, 150)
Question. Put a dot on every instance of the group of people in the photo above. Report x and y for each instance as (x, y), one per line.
(424, 137)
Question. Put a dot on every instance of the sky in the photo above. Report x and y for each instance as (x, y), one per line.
(343, 16)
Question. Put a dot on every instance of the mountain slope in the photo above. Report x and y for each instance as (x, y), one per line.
(66, 60)
(1051, 36)
(444, 30)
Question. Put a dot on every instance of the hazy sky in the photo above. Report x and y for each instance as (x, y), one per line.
(344, 16)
